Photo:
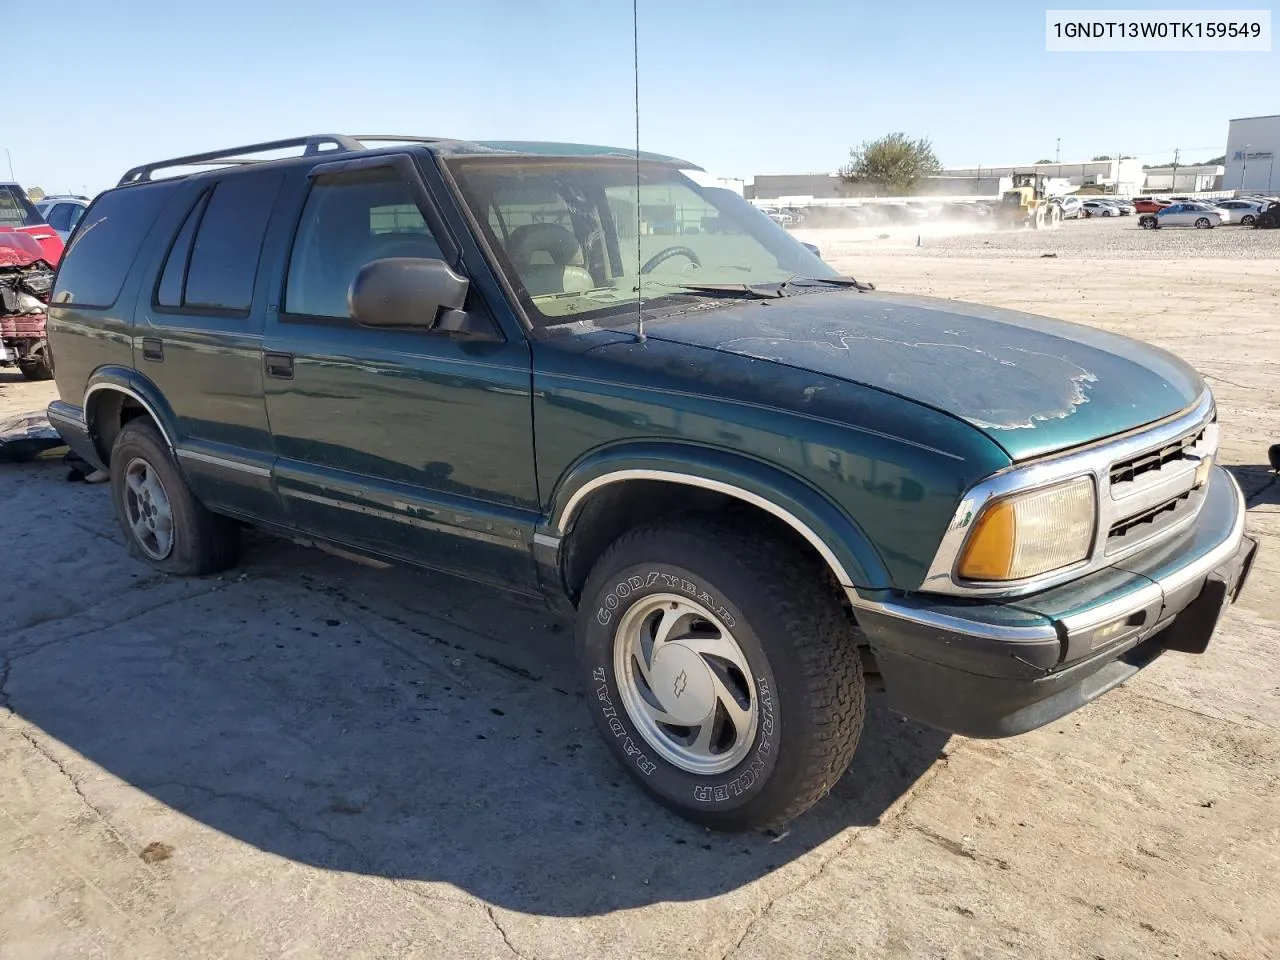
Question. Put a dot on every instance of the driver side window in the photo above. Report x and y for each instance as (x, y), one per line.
(348, 220)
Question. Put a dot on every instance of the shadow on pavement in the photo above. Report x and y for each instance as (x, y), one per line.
(385, 722)
(1259, 484)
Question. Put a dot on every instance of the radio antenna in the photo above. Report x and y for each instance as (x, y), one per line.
(635, 61)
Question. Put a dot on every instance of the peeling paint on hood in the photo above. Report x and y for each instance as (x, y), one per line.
(1032, 384)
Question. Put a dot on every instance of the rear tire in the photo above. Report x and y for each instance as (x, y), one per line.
(162, 521)
(791, 666)
(37, 366)
(1247, 220)
(1204, 224)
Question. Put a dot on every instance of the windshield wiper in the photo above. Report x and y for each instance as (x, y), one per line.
(773, 290)
(849, 282)
(744, 291)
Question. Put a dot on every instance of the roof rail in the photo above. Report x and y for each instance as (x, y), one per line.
(312, 144)
(387, 138)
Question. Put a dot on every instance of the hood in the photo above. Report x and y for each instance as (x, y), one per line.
(1031, 384)
(19, 249)
(44, 236)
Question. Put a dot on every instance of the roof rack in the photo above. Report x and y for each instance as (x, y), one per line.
(387, 138)
(316, 143)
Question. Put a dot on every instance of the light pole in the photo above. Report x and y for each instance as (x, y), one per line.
(1244, 166)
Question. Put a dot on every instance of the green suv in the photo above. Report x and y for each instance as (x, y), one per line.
(584, 374)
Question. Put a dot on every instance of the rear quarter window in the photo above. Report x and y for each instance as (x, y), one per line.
(95, 265)
(16, 210)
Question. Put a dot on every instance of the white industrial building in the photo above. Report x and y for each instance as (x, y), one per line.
(1188, 178)
(1125, 177)
(1252, 145)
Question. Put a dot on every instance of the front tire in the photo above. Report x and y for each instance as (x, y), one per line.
(721, 671)
(162, 521)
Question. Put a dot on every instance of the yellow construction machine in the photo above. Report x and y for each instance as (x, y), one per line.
(1027, 204)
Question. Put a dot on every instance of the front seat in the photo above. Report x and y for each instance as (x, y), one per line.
(549, 259)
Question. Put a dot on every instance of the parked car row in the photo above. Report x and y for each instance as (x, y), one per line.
(1204, 215)
(1107, 207)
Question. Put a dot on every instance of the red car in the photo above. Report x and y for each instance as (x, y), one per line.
(1149, 204)
(29, 252)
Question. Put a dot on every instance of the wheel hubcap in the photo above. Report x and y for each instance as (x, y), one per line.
(147, 509)
(685, 683)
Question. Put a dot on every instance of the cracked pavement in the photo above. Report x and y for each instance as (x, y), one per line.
(311, 757)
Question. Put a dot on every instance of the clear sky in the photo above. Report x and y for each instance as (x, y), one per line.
(739, 86)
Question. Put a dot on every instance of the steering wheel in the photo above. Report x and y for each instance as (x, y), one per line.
(662, 256)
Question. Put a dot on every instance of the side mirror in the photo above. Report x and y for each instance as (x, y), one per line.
(812, 248)
(405, 292)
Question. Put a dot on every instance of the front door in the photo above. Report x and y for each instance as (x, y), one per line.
(412, 444)
(199, 339)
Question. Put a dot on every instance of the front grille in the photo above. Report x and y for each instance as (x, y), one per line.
(1129, 470)
(1148, 523)
(1148, 517)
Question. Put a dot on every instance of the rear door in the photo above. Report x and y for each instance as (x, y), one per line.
(199, 339)
(412, 444)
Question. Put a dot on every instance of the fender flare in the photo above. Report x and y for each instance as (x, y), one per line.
(130, 383)
(828, 529)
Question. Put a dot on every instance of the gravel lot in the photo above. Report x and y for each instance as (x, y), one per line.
(1092, 239)
(311, 758)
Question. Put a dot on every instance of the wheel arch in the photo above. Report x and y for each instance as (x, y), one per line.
(113, 397)
(620, 488)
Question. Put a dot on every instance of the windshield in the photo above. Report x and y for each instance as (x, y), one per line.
(580, 239)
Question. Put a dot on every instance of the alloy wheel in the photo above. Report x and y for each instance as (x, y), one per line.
(147, 506)
(685, 683)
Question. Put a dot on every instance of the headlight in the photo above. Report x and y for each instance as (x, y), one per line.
(1027, 534)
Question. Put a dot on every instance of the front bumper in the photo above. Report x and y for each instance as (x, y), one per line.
(995, 669)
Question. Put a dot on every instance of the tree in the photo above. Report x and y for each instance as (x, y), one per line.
(35, 194)
(1104, 156)
(1214, 161)
(894, 162)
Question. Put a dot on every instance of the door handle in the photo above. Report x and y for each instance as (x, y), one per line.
(279, 365)
(152, 349)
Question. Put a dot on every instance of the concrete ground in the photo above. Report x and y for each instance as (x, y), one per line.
(312, 758)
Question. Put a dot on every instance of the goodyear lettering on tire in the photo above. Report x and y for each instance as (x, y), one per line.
(625, 588)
